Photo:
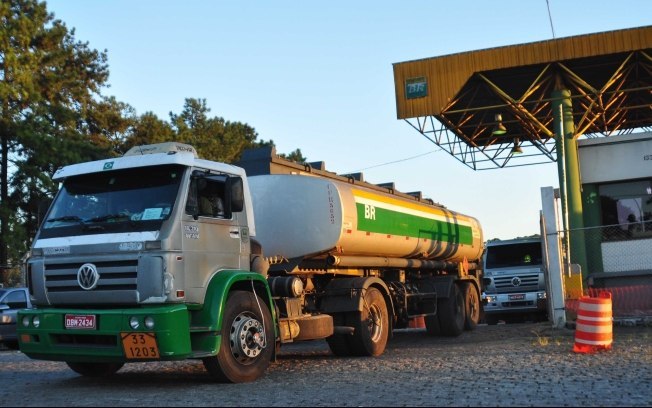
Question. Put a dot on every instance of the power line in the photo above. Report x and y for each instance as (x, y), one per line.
(550, 17)
(392, 162)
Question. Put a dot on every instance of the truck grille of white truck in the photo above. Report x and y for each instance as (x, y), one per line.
(516, 283)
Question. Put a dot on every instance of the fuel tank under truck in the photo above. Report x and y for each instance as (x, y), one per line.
(310, 217)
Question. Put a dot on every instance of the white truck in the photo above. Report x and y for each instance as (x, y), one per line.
(136, 261)
(514, 281)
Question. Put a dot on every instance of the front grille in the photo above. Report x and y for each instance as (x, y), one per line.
(114, 275)
(87, 340)
(527, 282)
(520, 303)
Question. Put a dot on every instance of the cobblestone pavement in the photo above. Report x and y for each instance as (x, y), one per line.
(526, 364)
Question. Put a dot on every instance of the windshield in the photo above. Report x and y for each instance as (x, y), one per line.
(137, 199)
(519, 254)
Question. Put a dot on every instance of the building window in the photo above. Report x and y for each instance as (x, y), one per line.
(627, 207)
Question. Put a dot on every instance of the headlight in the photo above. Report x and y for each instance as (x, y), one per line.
(133, 322)
(25, 321)
(149, 322)
(541, 295)
(36, 321)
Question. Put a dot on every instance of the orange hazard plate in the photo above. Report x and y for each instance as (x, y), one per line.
(138, 346)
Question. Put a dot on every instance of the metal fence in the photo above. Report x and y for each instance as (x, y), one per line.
(618, 260)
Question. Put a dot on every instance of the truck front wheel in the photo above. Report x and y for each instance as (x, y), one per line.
(95, 369)
(247, 343)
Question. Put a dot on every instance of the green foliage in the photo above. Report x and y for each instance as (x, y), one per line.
(295, 156)
(148, 129)
(52, 114)
(214, 138)
(13, 278)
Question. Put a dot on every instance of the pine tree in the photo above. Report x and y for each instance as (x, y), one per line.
(51, 114)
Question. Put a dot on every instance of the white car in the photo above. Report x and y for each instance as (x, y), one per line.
(11, 301)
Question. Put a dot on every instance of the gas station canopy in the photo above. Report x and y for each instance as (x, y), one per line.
(493, 108)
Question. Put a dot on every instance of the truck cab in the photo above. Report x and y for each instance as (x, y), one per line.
(514, 280)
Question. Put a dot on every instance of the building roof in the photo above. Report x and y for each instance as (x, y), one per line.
(454, 100)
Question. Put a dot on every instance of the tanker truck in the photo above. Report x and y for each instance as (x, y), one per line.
(160, 255)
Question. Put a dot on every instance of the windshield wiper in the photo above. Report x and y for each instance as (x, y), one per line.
(108, 217)
(66, 218)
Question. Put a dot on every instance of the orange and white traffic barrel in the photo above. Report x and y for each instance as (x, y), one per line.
(594, 324)
(417, 323)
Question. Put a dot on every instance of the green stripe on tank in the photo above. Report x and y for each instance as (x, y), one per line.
(384, 221)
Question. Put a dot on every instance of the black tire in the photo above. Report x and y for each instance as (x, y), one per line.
(244, 353)
(95, 369)
(451, 313)
(472, 307)
(371, 325)
(340, 344)
(432, 325)
(491, 319)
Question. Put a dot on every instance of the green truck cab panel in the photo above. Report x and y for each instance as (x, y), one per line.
(180, 331)
(46, 336)
(206, 319)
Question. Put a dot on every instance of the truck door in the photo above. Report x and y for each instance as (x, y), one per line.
(212, 234)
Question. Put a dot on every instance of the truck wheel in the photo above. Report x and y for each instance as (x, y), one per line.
(340, 344)
(471, 306)
(432, 325)
(451, 313)
(371, 325)
(491, 320)
(95, 369)
(247, 340)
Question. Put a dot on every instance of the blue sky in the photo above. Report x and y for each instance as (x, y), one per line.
(318, 76)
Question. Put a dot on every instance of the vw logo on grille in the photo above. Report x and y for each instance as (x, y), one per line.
(87, 276)
(516, 281)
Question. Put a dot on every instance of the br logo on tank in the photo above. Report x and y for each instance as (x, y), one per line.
(594, 325)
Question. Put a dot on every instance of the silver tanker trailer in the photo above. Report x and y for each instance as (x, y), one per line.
(362, 259)
(160, 255)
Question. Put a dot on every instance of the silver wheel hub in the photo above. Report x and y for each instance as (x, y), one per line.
(375, 323)
(247, 337)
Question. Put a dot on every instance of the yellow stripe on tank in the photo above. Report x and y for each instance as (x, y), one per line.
(420, 210)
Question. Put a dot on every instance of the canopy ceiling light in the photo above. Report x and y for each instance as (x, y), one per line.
(500, 128)
(517, 147)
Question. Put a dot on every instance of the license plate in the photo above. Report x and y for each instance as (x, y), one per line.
(83, 322)
(139, 346)
(520, 296)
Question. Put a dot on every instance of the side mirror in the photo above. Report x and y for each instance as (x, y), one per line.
(234, 194)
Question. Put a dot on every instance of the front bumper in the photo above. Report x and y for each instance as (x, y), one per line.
(7, 332)
(51, 340)
(512, 303)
